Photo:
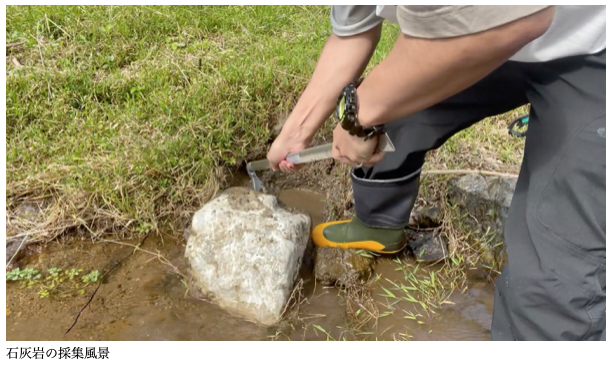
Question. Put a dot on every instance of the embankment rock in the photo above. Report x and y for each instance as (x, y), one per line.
(484, 201)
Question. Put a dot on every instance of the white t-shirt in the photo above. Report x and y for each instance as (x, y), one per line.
(575, 29)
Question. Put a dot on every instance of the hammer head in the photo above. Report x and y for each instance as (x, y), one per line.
(256, 183)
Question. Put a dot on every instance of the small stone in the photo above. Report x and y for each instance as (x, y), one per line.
(429, 248)
(12, 246)
(334, 265)
(28, 211)
(426, 217)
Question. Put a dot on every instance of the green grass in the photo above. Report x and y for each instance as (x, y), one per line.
(134, 114)
(487, 145)
(129, 116)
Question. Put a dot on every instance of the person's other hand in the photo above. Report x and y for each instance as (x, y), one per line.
(355, 151)
(287, 142)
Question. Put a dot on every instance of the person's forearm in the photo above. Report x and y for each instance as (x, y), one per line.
(343, 59)
(419, 73)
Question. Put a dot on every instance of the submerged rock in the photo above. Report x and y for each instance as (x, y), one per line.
(244, 252)
(487, 201)
(479, 313)
(341, 266)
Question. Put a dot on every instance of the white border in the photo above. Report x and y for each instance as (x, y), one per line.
(297, 353)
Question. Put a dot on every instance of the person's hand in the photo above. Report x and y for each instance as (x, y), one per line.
(355, 151)
(288, 141)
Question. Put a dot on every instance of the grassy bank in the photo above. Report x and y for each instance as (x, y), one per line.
(130, 115)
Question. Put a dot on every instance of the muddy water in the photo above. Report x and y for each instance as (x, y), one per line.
(467, 319)
(145, 299)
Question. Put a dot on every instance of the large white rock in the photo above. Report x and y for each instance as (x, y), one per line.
(244, 252)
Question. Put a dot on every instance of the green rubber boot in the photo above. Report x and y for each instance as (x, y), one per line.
(354, 234)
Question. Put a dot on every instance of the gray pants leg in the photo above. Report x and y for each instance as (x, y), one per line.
(554, 284)
(385, 193)
(553, 287)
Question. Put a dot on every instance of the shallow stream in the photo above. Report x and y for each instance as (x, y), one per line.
(145, 299)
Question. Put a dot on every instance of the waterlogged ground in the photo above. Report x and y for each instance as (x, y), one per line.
(145, 299)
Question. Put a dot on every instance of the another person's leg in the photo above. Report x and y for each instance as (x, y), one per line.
(385, 193)
(553, 287)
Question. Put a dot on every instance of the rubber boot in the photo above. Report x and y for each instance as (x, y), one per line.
(354, 234)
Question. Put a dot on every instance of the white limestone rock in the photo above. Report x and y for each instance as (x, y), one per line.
(244, 252)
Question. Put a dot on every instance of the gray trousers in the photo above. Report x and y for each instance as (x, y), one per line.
(553, 287)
